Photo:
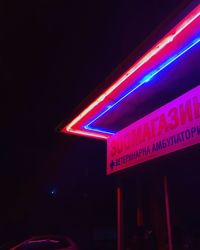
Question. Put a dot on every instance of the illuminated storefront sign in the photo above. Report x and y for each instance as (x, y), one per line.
(172, 127)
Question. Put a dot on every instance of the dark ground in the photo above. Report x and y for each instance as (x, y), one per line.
(54, 54)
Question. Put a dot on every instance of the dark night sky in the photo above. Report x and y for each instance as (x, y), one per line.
(54, 54)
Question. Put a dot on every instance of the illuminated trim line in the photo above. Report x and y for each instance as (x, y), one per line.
(88, 134)
(167, 39)
(144, 80)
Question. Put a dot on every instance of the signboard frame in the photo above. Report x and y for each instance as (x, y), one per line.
(172, 127)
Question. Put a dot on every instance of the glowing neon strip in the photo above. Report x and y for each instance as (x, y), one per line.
(143, 60)
(144, 80)
(169, 61)
(88, 134)
(191, 17)
(98, 130)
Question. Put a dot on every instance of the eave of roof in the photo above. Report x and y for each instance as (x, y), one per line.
(178, 41)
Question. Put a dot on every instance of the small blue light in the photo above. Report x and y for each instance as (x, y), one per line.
(144, 80)
(109, 106)
(53, 192)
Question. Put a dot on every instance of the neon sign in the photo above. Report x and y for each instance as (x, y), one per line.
(182, 38)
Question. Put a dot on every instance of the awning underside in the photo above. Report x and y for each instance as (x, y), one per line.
(167, 70)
